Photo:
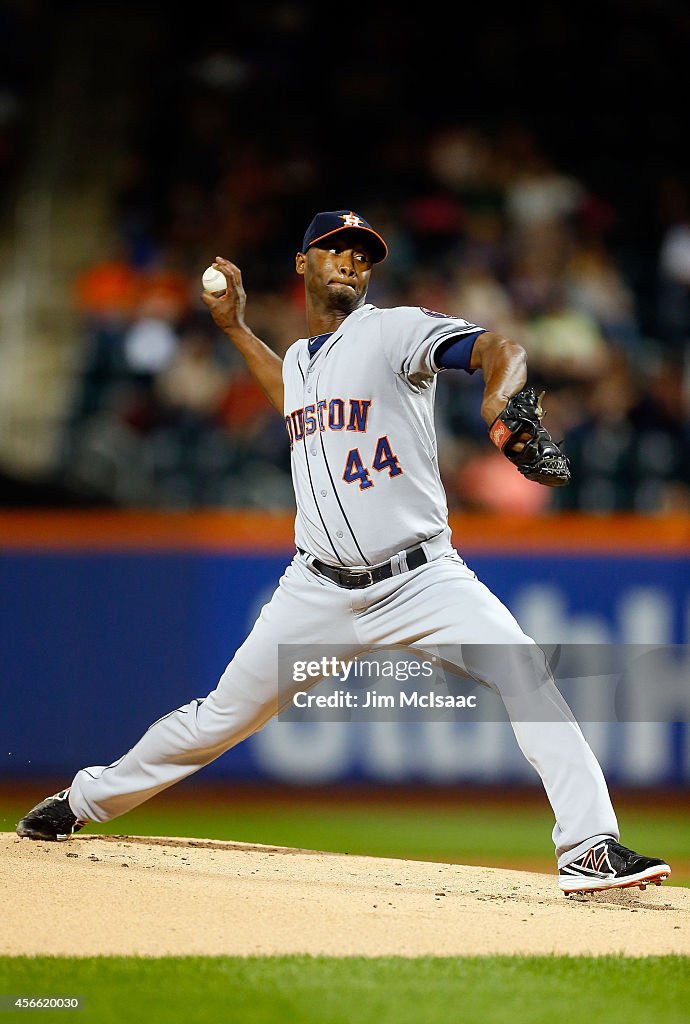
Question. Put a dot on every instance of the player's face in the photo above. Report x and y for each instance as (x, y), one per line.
(337, 270)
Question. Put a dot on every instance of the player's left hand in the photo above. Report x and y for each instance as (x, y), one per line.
(517, 431)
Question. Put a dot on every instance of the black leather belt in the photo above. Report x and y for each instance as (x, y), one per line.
(355, 579)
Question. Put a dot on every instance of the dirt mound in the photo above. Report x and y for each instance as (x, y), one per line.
(152, 896)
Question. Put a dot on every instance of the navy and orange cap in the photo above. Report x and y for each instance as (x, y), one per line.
(329, 223)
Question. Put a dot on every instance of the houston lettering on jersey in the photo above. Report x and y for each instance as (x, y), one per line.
(328, 414)
(345, 414)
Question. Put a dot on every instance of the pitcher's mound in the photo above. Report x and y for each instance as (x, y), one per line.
(149, 896)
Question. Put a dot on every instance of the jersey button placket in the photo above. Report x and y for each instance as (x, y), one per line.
(330, 509)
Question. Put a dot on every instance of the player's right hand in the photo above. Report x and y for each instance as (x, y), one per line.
(227, 310)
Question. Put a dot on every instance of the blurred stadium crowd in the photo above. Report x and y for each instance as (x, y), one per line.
(488, 215)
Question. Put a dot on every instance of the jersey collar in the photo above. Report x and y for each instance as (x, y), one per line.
(315, 343)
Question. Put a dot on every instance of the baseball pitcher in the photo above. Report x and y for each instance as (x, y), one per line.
(374, 560)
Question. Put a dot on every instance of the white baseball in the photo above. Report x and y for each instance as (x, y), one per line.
(213, 281)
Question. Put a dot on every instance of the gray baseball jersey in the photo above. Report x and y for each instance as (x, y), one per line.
(360, 417)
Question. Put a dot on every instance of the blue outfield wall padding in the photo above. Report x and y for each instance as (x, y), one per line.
(96, 647)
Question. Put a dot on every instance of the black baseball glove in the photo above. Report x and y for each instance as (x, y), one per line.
(541, 459)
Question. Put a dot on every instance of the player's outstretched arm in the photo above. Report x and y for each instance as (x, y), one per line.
(503, 363)
(227, 311)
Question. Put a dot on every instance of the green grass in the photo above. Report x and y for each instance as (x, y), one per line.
(518, 836)
(357, 990)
